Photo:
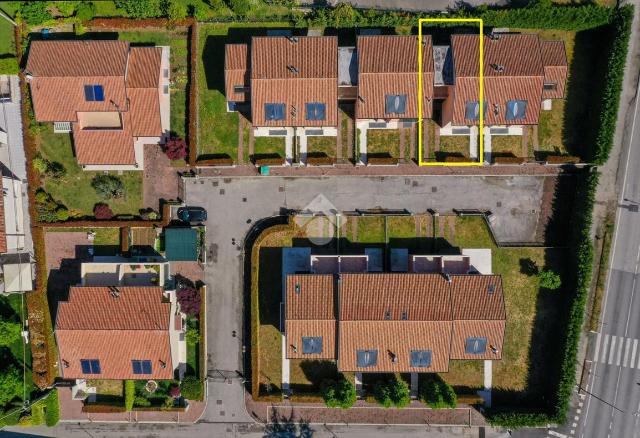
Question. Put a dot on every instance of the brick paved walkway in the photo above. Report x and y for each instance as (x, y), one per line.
(160, 179)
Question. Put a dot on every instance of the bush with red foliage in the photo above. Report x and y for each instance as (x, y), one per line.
(176, 149)
(189, 299)
(174, 391)
(102, 211)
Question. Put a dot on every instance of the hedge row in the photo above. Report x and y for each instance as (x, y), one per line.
(541, 15)
(52, 409)
(580, 265)
(621, 24)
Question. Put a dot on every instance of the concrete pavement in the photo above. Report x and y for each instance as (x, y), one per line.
(235, 204)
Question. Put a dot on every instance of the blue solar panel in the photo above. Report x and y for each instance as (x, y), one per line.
(420, 358)
(274, 111)
(395, 103)
(90, 366)
(88, 93)
(516, 109)
(98, 92)
(315, 111)
(366, 358)
(311, 344)
(141, 366)
(472, 110)
(475, 345)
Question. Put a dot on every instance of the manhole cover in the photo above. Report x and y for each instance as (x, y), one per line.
(633, 208)
(222, 191)
(415, 184)
(214, 183)
(407, 181)
(281, 189)
(244, 199)
(219, 402)
(434, 189)
(499, 204)
(222, 413)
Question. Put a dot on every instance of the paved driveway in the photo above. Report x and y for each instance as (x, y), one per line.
(235, 204)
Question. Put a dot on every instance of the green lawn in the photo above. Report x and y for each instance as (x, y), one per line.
(321, 146)
(218, 132)
(7, 40)
(383, 142)
(74, 189)
(455, 145)
(504, 144)
(264, 147)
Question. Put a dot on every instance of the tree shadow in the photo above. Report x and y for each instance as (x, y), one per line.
(287, 426)
(528, 267)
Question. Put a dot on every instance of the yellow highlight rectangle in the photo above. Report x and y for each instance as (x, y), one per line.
(480, 161)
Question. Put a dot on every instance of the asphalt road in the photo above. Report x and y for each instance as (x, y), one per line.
(234, 205)
(612, 407)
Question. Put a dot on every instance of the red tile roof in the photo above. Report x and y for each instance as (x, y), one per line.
(236, 71)
(554, 58)
(315, 80)
(92, 324)
(130, 79)
(315, 299)
(295, 329)
(477, 297)
(77, 58)
(388, 65)
(493, 330)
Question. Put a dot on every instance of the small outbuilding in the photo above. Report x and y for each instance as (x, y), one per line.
(181, 244)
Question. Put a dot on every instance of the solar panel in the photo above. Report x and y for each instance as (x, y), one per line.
(315, 111)
(311, 344)
(472, 110)
(274, 111)
(366, 358)
(88, 93)
(94, 93)
(475, 345)
(420, 358)
(90, 366)
(98, 93)
(395, 103)
(516, 109)
(141, 366)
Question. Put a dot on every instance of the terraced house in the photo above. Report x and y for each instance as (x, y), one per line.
(112, 97)
(279, 76)
(428, 310)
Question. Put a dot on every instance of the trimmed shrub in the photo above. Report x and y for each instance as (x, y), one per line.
(549, 280)
(129, 394)
(176, 149)
(174, 391)
(41, 196)
(52, 408)
(62, 214)
(240, 7)
(108, 186)
(176, 10)
(140, 8)
(11, 384)
(392, 392)
(189, 299)
(382, 161)
(55, 169)
(40, 164)
(192, 336)
(9, 65)
(216, 162)
(338, 394)
(437, 393)
(102, 211)
(103, 409)
(321, 161)
(191, 388)
(562, 159)
(269, 161)
(140, 401)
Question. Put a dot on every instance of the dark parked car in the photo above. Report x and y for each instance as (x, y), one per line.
(192, 214)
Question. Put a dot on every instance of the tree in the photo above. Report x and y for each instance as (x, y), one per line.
(176, 10)
(62, 214)
(436, 393)
(11, 384)
(65, 8)
(381, 393)
(189, 299)
(549, 280)
(34, 13)
(9, 332)
(240, 7)
(108, 186)
(102, 211)
(40, 164)
(140, 8)
(338, 394)
(192, 336)
(392, 392)
(85, 11)
(129, 394)
(176, 149)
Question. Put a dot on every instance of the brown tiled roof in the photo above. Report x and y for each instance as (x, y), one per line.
(92, 324)
(58, 99)
(388, 65)
(399, 337)
(144, 110)
(77, 58)
(554, 59)
(295, 329)
(143, 70)
(115, 349)
(236, 71)
(315, 300)
(316, 61)
(425, 297)
(491, 329)
(553, 53)
(3, 230)
(471, 297)
(104, 146)
(93, 308)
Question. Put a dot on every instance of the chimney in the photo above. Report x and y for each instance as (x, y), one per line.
(114, 292)
(448, 278)
(294, 348)
(163, 364)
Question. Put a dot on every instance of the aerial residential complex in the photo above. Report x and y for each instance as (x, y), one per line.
(295, 84)
(112, 96)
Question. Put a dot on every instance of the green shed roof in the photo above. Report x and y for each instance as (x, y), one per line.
(181, 244)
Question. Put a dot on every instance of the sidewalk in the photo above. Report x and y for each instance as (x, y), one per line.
(71, 410)
(401, 169)
(362, 413)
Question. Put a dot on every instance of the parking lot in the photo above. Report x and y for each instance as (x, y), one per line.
(235, 204)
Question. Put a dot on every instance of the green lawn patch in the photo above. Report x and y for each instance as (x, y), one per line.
(74, 188)
(383, 142)
(268, 147)
(453, 145)
(506, 144)
(321, 146)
